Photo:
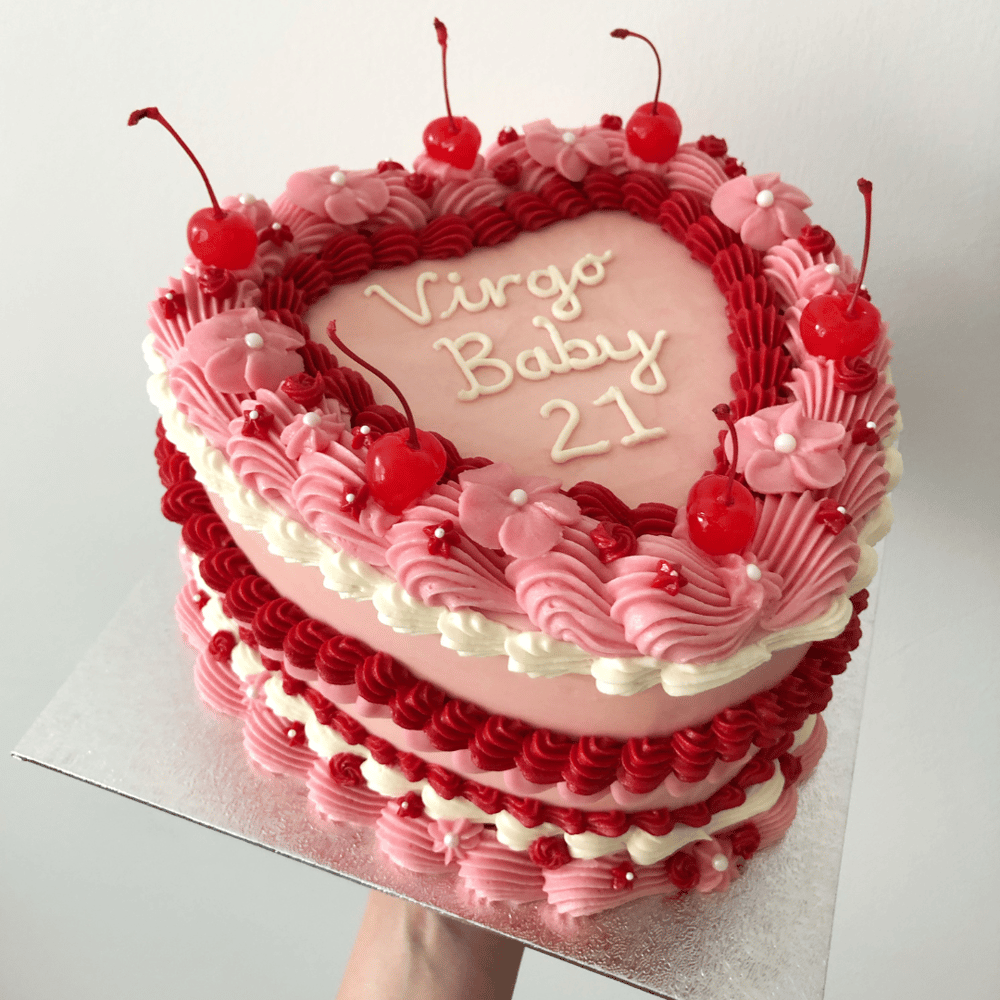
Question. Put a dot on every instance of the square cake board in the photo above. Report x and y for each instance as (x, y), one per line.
(128, 719)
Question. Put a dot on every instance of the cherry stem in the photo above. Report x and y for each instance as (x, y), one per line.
(625, 33)
(331, 332)
(154, 113)
(865, 187)
(723, 412)
(442, 36)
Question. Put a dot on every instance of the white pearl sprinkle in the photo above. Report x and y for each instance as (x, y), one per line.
(254, 341)
(765, 198)
(569, 138)
(188, 269)
(338, 177)
(439, 532)
(291, 734)
(753, 572)
(350, 498)
(518, 497)
(254, 414)
(629, 876)
(833, 269)
(870, 425)
(276, 226)
(169, 296)
(247, 199)
(720, 862)
(450, 840)
(312, 419)
(365, 429)
(841, 510)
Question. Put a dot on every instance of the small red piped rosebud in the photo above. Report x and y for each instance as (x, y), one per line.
(441, 537)
(384, 165)
(507, 172)
(217, 237)
(654, 130)
(354, 501)
(613, 541)
(362, 436)
(450, 139)
(712, 145)
(257, 422)
(816, 240)
(837, 326)
(612, 123)
(506, 136)
(420, 184)
(733, 167)
(623, 876)
(172, 304)
(221, 647)
(865, 432)
(669, 578)
(217, 283)
(833, 517)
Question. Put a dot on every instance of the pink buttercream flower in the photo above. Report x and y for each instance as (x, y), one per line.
(346, 197)
(716, 865)
(312, 431)
(569, 151)
(523, 515)
(781, 450)
(454, 838)
(762, 209)
(240, 351)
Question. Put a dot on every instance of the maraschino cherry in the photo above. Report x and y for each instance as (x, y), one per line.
(401, 465)
(450, 139)
(835, 326)
(654, 130)
(217, 237)
(721, 513)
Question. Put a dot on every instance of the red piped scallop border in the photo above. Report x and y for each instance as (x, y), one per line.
(588, 765)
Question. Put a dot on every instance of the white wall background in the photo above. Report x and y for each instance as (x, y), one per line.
(100, 897)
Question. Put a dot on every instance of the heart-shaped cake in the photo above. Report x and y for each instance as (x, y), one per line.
(587, 629)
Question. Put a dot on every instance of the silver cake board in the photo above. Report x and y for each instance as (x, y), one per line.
(129, 720)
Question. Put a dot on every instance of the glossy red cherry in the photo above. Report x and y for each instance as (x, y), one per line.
(721, 513)
(654, 130)
(841, 326)
(405, 464)
(398, 473)
(450, 139)
(217, 237)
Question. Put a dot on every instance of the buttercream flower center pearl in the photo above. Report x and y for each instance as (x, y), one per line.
(720, 862)
(753, 572)
(518, 498)
(450, 840)
(832, 269)
(254, 341)
(569, 138)
(338, 177)
(785, 443)
(765, 198)
(439, 532)
(312, 419)
(247, 199)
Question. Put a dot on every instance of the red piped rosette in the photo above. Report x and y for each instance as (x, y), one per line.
(588, 765)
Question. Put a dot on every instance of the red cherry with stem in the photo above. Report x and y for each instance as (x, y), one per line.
(450, 139)
(405, 464)
(721, 513)
(654, 130)
(397, 473)
(217, 237)
(841, 326)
